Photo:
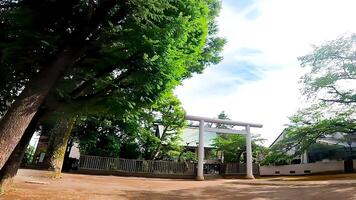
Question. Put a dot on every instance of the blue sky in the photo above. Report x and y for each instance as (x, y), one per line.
(258, 79)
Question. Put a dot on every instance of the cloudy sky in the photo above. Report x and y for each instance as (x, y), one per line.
(258, 79)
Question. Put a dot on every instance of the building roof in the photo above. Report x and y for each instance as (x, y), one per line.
(332, 139)
(190, 137)
(279, 137)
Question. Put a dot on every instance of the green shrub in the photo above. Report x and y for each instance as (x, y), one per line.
(27, 158)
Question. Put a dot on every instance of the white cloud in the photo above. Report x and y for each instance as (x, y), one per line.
(267, 101)
(282, 31)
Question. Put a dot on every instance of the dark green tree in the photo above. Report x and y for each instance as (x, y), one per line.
(89, 54)
(153, 133)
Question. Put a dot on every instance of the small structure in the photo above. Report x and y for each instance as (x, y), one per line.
(202, 128)
(333, 147)
(334, 153)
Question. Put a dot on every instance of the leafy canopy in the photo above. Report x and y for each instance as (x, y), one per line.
(332, 75)
(134, 50)
(330, 84)
(136, 137)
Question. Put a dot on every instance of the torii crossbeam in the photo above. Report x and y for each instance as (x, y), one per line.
(246, 132)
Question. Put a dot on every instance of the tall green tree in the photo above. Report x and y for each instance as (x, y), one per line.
(332, 75)
(101, 50)
(329, 84)
(169, 115)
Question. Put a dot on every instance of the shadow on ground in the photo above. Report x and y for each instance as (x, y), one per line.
(252, 192)
(78, 187)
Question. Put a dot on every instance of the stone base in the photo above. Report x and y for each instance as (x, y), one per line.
(199, 178)
(250, 177)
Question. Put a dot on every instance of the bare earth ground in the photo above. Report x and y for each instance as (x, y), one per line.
(34, 184)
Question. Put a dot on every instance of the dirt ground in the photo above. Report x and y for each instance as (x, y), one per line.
(33, 184)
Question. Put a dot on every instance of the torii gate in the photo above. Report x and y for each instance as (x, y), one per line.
(246, 132)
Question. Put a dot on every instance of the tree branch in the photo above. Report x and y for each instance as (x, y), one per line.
(339, 101)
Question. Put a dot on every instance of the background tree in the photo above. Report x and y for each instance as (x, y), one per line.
(135, 136)
(28, 157)
(169, 115)
(332, 76)
(305, 130)
(233, 146)
(330, 85)
(100, 137)
(57, 144)
(187, 156)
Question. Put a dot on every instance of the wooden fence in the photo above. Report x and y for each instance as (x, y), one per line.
(135, 166)
(107, 164)
(240, 168)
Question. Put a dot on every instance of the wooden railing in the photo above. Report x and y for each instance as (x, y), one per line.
(135, 166)
(240, 168)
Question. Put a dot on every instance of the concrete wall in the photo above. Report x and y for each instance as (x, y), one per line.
(301, 169)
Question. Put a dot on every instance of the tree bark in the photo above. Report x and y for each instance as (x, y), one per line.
(13, 163)
(19, 116)
(157, 150)
(57, 145)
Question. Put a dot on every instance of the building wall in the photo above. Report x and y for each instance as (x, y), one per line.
(302, 169)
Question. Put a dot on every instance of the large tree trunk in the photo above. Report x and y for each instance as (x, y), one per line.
(18, 117)
(13, 163)
(57, 145)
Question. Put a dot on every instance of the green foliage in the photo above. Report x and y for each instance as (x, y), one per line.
(223, 115)
(135, 136)
(169, 115)
(304, 132)
(330, 84)
(189, 156)
(98, 136)
(233, 146)
(135, 49)
(333, 70)
(160, 127)
(133, 55)
(276, 158)
(28, 156)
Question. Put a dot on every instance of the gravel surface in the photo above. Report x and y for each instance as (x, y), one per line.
(34, 184)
